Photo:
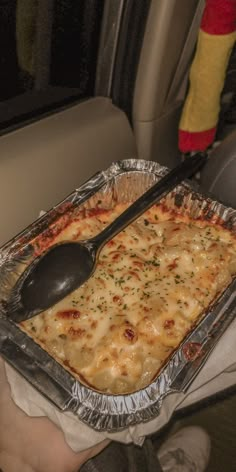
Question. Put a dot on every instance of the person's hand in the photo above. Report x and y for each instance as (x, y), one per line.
(34, 444)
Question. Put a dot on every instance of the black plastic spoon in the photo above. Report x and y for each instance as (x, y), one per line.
(66, 266)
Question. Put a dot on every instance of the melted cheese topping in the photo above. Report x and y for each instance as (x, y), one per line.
(151, 284)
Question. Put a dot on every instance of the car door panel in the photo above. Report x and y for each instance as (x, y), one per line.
(44, 161)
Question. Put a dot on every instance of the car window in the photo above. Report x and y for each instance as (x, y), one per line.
(48, 55)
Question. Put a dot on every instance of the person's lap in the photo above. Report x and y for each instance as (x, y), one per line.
(34, 444)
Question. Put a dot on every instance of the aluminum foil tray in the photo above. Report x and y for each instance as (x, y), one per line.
(122, 181)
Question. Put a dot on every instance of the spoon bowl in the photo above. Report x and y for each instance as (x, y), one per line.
(59, 280)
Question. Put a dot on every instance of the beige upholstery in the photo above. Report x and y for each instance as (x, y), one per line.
(43, 162)
(219, 174)
(155, 116)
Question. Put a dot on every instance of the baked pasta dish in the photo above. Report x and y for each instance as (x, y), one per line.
(152, 283)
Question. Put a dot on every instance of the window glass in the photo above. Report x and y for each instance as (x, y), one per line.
(48, 55)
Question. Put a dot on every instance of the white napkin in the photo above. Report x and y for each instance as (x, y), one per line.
(218, 373)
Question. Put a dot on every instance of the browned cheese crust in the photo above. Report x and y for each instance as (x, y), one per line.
(152, 283)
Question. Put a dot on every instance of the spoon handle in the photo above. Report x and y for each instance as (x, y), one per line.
(143, 203)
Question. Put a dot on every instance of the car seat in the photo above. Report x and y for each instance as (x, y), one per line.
(219, 174)
(162, 77)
